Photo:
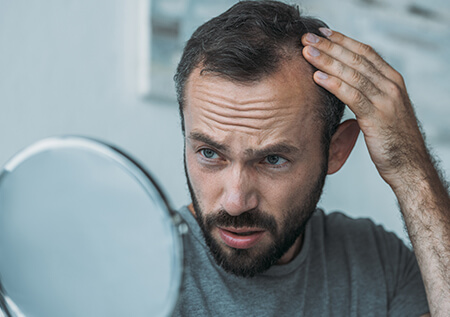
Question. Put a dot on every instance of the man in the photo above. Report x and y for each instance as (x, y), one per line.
(261, 92)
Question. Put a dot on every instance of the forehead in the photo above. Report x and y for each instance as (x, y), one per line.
(281, 105)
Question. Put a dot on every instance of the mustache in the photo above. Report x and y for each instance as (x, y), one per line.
(253, 218)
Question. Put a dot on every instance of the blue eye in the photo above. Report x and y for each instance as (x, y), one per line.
(274, 160)
(209, 154)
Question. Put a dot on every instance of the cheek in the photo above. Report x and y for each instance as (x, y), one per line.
(193, 172)
(280, 195)
(290, 191)
(206, 186)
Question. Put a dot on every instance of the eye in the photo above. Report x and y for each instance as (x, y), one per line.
(274, 160)
(209, 154)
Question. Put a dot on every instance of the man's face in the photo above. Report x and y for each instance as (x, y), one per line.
(255, 165)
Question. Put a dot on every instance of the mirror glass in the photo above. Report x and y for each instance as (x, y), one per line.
(85, 231)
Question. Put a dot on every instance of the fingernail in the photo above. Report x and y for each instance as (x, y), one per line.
(312, 38)
(325, 31)
(313, 51)
(321, 75)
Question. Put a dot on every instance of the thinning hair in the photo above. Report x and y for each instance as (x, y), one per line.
(248, 43)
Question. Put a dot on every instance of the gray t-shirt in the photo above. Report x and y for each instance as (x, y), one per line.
(346, 267)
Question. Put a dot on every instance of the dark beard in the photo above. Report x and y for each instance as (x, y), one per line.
(249, 262)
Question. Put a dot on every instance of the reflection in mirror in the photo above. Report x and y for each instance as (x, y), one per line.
(84, 231)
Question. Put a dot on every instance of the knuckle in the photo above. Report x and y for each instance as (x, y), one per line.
(368, 86)
(394, 91)
(337, 84)
(366, 49)
(328, 45)
(360, 102)
(397, 77)
(340, 69)
(357, 59)
(371, 68)
(328, 61)
(356, 77)
(357, 97)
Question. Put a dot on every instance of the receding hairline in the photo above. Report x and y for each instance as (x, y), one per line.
(287, 54)
(306, 70)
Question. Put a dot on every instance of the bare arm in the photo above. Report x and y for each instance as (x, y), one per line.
(377, 94)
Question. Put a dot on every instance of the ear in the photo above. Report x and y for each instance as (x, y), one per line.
(342, 144)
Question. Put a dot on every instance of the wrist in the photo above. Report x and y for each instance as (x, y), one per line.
(417, 184)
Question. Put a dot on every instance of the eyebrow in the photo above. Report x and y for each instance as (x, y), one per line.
(279, 148)
(197, 136)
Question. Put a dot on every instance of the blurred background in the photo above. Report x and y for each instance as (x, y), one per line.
(103, 68)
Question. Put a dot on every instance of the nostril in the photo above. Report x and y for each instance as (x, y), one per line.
(237, 203)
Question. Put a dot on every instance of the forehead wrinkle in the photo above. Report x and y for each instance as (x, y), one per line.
(266, 120)
(245, 126)
(239, 129)
(251, 123)
(254, 117)
(265, 110)
(268, 105)
(246, 115)
(240, 103)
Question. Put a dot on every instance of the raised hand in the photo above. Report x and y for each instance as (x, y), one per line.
(377, 94)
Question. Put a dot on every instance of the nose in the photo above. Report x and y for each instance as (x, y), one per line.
(240, 193)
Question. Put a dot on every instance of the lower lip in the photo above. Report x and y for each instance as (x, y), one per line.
(240, 242)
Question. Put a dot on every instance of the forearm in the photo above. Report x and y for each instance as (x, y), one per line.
(376, 93)
(425, 205)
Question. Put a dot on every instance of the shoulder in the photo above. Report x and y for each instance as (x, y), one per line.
(361, 255)
(338, 221)
(360, 240)
(338, 226)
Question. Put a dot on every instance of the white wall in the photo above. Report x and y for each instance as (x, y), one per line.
(70, 67)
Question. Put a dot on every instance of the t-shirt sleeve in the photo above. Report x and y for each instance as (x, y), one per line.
(406, 291)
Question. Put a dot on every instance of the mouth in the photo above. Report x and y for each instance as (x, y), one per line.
(241, 238)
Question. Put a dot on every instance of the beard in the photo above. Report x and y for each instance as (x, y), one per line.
(256, 260)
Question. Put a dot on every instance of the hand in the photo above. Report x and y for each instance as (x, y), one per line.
(376, 93)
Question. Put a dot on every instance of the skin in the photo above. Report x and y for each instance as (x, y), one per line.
(376, 93)
(243, 125)
(249, 118)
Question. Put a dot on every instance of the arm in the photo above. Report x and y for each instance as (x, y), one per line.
(376, 93)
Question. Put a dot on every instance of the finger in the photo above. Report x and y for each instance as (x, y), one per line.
(349, 95)
(364, 50)
(347, 57)
(347, 74)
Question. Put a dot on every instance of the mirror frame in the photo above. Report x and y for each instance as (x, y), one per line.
(133, 168)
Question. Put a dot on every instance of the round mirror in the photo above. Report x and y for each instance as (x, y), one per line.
(85, 231)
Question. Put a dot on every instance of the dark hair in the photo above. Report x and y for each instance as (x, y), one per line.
(247, 43)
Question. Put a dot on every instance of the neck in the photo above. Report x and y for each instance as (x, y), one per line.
(191, 209)
(292, 252)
